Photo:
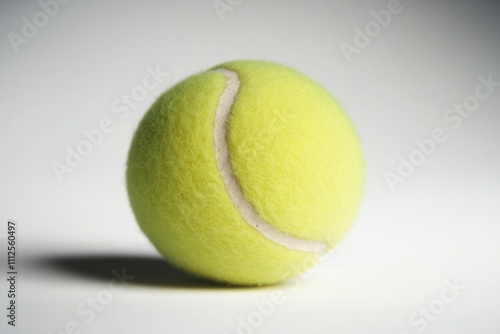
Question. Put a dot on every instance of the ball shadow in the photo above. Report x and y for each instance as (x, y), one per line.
(136, 270)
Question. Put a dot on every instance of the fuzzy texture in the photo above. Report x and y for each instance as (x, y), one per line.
(292, 150)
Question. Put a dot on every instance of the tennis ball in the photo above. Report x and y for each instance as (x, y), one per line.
(245, 173)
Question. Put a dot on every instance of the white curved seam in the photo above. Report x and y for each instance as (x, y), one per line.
(249, 214)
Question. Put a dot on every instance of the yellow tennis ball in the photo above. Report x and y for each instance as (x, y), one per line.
(245, 173)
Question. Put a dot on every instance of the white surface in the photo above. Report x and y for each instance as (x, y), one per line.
(442, 224)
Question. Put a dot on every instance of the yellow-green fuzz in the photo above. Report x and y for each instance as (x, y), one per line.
(293, 153)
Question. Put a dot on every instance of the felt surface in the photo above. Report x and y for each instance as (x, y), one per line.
(294, 152)
(303, 175)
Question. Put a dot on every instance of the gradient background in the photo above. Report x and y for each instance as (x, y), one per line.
(442, 224)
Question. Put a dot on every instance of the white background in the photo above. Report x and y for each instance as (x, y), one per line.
(440, 226)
